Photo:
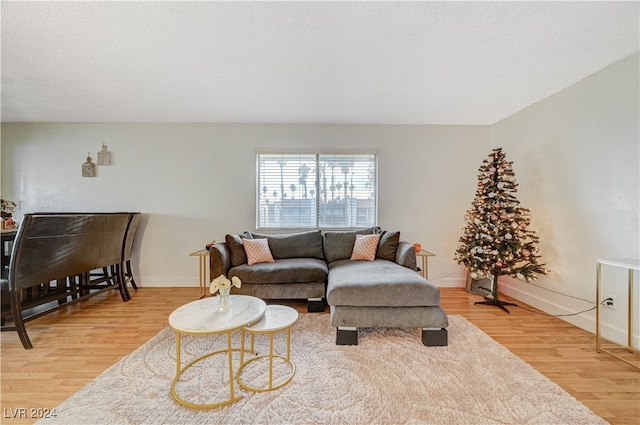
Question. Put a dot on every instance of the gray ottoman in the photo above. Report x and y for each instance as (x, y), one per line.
(382, 293)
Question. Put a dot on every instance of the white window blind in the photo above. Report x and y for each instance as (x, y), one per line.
(316, 190)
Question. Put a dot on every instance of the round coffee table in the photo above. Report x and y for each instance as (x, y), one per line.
(202, 318)
(277, 318)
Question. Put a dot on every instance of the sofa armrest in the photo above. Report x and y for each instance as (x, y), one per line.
(220, 260)
(406, 255)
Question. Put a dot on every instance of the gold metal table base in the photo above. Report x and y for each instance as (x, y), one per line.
(202, 318)
(203, 267)
(424, 256)
(179, 371)
(271, 356)
(609, 349)
(277, 318)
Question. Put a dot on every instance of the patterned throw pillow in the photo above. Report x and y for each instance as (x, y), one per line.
(365, 247)
(257, 251)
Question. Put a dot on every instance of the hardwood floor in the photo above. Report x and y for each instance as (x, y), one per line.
(74, 345)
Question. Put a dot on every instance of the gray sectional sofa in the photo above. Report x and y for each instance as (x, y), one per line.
(316, 265)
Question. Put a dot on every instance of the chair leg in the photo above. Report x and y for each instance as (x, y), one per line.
(61, 287)
(73, 287)
(83, 285)
(122, 283)
(130, 275)
(109, 276)
(115, 275)
(17, 319)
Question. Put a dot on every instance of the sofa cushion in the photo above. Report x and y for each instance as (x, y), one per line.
(257, 251)
(388, 246)
(294, 245)
(378, 283)
(406, 255)
(289, 270)
(236, 249)
(389, 317)
(365, 247)
(339, 245)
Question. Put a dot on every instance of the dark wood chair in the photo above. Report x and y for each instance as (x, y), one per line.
(125, 270)
(52, 247)
(7, 236)
(110, 257)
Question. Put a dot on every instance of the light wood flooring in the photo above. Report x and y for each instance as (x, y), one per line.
(76, 344)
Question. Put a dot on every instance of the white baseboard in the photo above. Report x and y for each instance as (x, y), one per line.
(167, 282)
(448, 282)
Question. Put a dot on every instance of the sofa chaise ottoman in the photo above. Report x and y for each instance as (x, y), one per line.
(382, 293)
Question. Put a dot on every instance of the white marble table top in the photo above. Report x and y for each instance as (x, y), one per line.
(276, 317)
(203, 317)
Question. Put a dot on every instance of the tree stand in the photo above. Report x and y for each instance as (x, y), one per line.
(494, 300)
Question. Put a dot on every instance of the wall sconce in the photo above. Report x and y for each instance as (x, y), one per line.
(88, 168)
(104, 157)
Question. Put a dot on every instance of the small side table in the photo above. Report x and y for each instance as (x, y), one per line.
(277, 318)
(424, 255)
(630, 265)
(202, 318)
(203, 267)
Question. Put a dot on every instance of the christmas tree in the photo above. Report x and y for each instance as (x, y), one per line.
(496, 239)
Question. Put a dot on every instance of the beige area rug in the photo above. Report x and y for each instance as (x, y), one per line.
(389, 378)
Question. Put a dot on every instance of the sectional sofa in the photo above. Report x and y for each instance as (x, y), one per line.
(383, 290)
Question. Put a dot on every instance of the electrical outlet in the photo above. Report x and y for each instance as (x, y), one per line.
(611, 302)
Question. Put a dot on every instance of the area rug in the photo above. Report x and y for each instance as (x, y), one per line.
(389, 378)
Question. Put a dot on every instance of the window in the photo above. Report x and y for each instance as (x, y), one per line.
(316, 190)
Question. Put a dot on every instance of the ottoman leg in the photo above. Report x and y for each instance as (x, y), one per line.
(315, 305)
(434, 337)
(346, 336)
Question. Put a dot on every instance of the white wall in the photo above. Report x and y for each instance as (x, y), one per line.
(196, 182)
(575, 154)
(577, 159)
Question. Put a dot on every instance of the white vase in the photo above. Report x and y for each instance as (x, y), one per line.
(224, 303)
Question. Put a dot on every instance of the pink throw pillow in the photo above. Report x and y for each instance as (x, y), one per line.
(257, 251)
(365, 247)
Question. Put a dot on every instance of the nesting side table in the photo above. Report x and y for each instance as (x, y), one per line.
(277, 318)
(201, 318)
(424, 256)
(203, 266)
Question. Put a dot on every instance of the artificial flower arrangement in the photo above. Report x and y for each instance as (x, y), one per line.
(6, 211)
(7, 206)
(221, 282)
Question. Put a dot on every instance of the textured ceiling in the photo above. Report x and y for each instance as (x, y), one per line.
(301, 62)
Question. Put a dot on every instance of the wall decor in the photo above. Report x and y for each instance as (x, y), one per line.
(88, 168)
(104, 157)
